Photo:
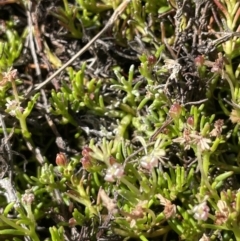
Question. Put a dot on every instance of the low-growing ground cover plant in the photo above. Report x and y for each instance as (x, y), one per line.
(136, 137)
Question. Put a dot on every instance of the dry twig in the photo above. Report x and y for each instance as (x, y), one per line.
(110, 22)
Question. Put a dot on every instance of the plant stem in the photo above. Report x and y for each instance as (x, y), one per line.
(236, 232)
(14, 88)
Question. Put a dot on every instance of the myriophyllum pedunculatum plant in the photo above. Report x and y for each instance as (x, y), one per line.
(150, 144)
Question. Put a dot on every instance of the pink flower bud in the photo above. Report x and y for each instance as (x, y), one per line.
(199, 60)
(72, 222)
(86, 150)
(201, 211)
(28, 198)
(114, 172)
(86, 162)
(152, 60)
(61, 159)
(149, 162)
(175, 110)
(112, 160)
(190, 121)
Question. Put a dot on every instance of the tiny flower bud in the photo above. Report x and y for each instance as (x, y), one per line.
(8, 76)
(13, 74)
(218, 126)
(72, 222)
(152, 60)
(223, 213)
(218, 65)
(86, 150)
(235, 116)
(114, 172)
(149, 162)
(91, 96)
(201, 211)
(28, 198)
(199, 60)
(86, 162)
(190, 121)
(61, 159)
(112, 160)
(204, 238)
(169, 208)
(13, 107)
(175, 111)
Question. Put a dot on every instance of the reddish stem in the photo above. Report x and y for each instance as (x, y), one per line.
(222, 8)
(236, 17)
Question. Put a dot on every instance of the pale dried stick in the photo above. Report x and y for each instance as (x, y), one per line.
(110, 22)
